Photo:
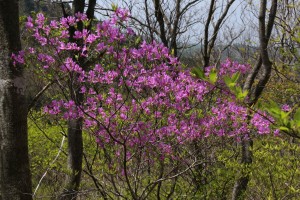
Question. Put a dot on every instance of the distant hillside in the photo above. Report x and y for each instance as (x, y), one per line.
(238, 52)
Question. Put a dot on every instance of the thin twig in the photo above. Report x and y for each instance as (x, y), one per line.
(56, 157)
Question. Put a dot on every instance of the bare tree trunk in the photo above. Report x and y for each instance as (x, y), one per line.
(75, 154)
(15, 179)
(160, 19)
(241, 184)
(254, 94)
(75, 141)
(205, 55)
(209, 44)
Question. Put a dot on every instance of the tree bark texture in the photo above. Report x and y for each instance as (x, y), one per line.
(75, 141)
(15, 179)
(265, 65)
(241, 184)
(26, 6)
(160, 19)
(75, 155)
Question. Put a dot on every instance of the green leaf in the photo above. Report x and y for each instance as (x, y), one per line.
(284, 115)
(227, 80)
(297, 117)
(172, 51)
(274, 109)
(235, 77)
(283, 128)
(213, 76)
(231, 81)
(241, 95)
(138, 41)
(274, 105)
(114, 6)
(198, 72)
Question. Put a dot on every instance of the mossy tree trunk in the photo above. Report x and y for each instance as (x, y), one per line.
(15, 179)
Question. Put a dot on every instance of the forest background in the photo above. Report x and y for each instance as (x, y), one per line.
(229, 130)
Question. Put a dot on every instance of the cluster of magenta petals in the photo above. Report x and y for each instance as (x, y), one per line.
(135, 93)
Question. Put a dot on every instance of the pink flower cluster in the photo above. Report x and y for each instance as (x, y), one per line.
(230, 67)
(134, 94)
(262, 122)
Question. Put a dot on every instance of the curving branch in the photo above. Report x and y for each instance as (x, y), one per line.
(209, 44)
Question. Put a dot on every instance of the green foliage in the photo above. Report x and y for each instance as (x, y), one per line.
(297, 118)
(44, 140)
(45, 137)
(275, 169)
(231, 83)
(213, 76)
(287, 121)
(274, 173)
(198, 72)
(114, 6)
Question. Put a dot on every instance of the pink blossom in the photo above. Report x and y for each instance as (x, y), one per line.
(140, 96)
(286, 107)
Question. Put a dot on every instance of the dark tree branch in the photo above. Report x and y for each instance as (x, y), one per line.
(266, 65)
(206, 31)
(148, 21)
(218, 26)
(39, 94)
(160, 18)
(264, 37)
(209, 44)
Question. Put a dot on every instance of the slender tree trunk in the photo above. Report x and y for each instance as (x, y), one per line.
(209, 44)
(264, 64)
(15, 179)
(160, 19)
(241, 184)
(75, 141)
(75, 154)
(206, 56)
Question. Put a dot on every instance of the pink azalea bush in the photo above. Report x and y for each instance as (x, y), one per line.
(137, 96)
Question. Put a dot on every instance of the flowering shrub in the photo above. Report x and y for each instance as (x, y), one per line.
(138, 100)
(137, 94)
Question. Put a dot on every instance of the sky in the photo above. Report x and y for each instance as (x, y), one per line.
(241, 18)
